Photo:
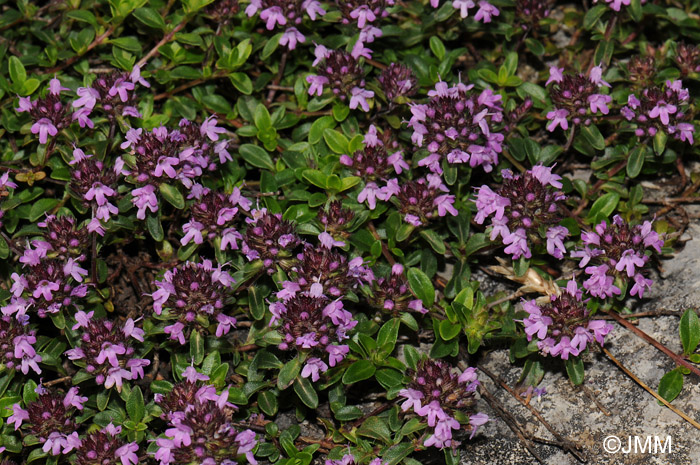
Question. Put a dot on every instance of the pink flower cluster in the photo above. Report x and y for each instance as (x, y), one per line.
(49, 114)
(288, 14)
(51, 418)
(164, 155)
(342, 73)
(314, 326)
(213, 217)
(418, 200)
(563, 327)
(525, 210)
(106, 448)
(615, 253)
(393, 295)
(484, 14)
(200, 425)
(440, 395)
(113, 93)
(94, 186)
(270, 239)
(53, 275)
(656, 109)
(17, 341)
(458, 126)
(576, 97)
(105, 348)
(193, 294)
(374, 164)
(349, 459)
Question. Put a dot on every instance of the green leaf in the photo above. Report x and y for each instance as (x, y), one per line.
(449, 330)
(4, 249)
(671, 385)
(17, 72)
(288, 373)
(359, 371)
(592, 135)
(256, 303)
(155, 228)
(306, 392)
(535, 46)
(135, 406)
(336, 141)
(29, 392)
(197, 347)
(40, 207)
(261, 117)
(316, 177)
(340, 111)
(267, 401)
(172, 195)
(434, 240)
(256, 156)
(150, 17)
(161, 386)
(690, 331)
(242, 82)
(375, 427)
(437, 47)
(84, 16)
(574, 368)
(386, 338)
(421, 286)
(659, 142)
(603, 207)
(635, 10)
(593, 16)
(635, 162)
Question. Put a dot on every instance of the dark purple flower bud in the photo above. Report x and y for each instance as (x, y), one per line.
(338, 70)
(688, 58)
(398, 81)
(270, 239)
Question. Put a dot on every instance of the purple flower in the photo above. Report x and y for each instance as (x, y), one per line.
(477, 420)
(121, 87)
(44, 127)
(486, 11)
(557, 118)
(291, 37)
(336, 354)
(88, 98)
(413, 399)
(358, 97)
(192, 375)
(73, 399)
(127, 454)
(313, 367)
(18, 416)
(662, 110)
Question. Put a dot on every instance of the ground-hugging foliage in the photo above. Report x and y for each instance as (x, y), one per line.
(219, 218)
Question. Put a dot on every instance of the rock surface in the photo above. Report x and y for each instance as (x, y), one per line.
(633, 412)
